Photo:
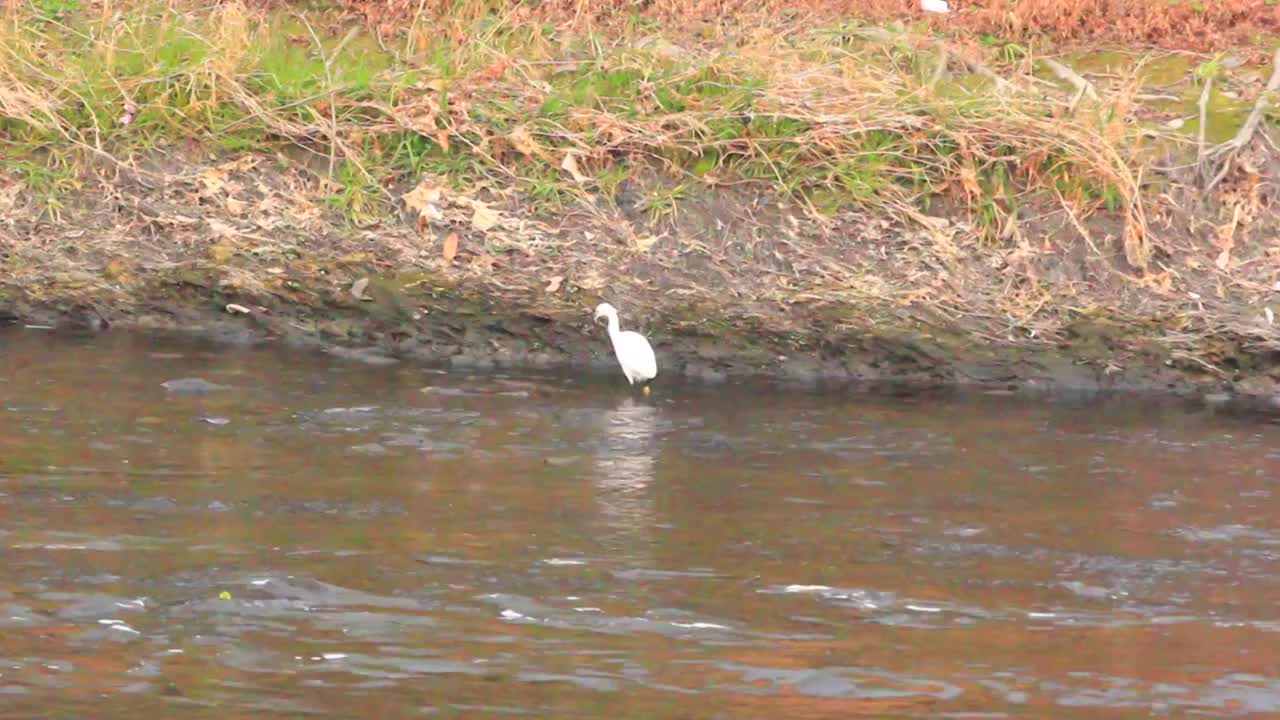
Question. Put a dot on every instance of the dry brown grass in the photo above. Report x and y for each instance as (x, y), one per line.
(1186, 24)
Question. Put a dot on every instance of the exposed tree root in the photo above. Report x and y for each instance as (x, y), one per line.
(1222, 156)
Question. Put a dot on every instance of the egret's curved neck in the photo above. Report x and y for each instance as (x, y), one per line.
(614, 326)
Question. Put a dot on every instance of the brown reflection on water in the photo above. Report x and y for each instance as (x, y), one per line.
(329, 539)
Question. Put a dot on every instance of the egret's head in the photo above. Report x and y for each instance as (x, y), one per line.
(604, 311)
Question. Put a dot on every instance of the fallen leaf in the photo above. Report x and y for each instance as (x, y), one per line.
(570, 164)
(358, 289)
(523, 142)
(235, 309)
(643, 243)
(1224, 258)
(483, 217)
(450, 247)
(234, 206)
(222, 230)
(422, 196)
(241, 164)
(442, 138)
(212, 181)
(494, 71)
(554, 283)
(969, 182)
(116, 269)
(423, 121)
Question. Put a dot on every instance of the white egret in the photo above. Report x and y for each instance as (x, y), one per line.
(634, 353)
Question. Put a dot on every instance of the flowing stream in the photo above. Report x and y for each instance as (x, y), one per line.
(208, 532)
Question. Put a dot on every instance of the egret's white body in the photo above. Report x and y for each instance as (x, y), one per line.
(634, 353)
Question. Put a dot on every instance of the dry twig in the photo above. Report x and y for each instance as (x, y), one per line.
(1083, 87)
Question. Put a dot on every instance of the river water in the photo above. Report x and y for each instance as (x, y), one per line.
(321, 537)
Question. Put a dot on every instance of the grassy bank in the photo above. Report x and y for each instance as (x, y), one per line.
(1178, 24)
(797, 174)
(831, 115)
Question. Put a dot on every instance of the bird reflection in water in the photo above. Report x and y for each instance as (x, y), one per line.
(624, 467)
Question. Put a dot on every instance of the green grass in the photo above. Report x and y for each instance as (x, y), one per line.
(663, 202)
(47, 179)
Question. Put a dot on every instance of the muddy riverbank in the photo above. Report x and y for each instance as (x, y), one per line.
(738, 284)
